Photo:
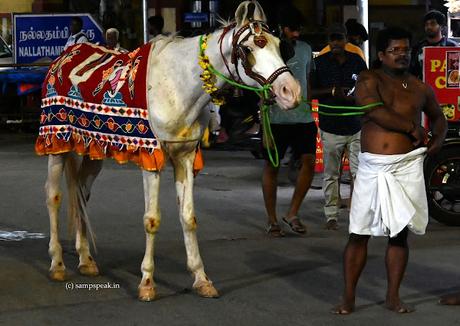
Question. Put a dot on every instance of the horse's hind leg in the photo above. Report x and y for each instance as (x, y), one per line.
(53, 192)
(152, 219)
(88, 172)
(183, 170)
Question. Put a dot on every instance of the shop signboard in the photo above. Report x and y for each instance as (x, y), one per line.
(441, 71)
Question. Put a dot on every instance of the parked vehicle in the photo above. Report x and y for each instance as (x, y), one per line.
(240, 125)
(442, 179)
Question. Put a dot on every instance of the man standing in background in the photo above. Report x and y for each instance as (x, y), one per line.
(77, 35)
(434, 22)
(333, 79)
(295, 128)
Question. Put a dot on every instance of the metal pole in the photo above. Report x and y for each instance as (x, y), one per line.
(144, 20)
(363, 10)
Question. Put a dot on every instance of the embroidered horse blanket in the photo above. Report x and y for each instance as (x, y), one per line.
(94, 102)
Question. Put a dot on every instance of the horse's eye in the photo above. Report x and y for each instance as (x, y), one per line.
(247, 49)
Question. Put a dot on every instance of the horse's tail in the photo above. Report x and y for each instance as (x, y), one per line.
(76, 211)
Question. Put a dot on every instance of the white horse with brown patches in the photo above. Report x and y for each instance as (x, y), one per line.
(176, 113)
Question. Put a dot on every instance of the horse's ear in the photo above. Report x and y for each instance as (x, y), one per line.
(248, 11)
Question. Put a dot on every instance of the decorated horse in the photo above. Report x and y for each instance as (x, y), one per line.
(147, 106)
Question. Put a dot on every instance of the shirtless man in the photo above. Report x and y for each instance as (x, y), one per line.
(389, 197)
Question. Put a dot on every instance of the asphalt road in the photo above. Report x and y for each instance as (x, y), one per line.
(291, 281)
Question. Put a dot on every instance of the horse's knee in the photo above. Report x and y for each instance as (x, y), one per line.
(190, 223)
(53, 199)
(151, 224)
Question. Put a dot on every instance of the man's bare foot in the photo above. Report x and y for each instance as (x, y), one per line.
(398, 306)
(451, 299)
(344, 308)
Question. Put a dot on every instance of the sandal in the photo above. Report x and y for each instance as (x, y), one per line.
(295, 224)
(274, 230)
(331, 225)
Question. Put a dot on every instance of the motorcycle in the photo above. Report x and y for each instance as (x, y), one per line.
(239, 125)
(442, 179)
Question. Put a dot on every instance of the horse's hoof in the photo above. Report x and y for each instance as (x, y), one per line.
(146, 293)
(206, 290)
(88, 270)
(58, 275)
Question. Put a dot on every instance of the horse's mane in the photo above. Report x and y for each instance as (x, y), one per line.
(224, 23)
(161, 41)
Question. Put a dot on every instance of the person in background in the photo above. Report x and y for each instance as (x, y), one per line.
(111, 39)
(356, 36)
(156, 24)
(295, 128)
(77, 35)
(333, 81)
(356, 32)
(434, 22)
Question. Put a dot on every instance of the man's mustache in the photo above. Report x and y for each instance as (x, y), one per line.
(404, 61)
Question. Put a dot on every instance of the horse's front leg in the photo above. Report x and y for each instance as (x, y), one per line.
(152, 220)
(88, 172)
(53, 192)
(183, 172)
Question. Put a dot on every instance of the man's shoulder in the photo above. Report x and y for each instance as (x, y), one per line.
(354, 56)
(357, 61)
(419, 83)
(350, 47)
(80, 36)
(303, 43)
(370, 75)
(324, 58)
(303, 46)
(420, 44)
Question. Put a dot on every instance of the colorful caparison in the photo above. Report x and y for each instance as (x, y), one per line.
(94, 103)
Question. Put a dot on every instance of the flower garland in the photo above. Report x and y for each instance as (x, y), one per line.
(208, 78)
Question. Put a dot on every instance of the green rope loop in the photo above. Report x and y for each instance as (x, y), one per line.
(361, 109)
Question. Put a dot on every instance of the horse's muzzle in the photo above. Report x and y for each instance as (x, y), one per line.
(287, 91)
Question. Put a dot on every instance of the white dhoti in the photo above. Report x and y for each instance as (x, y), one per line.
(389, 194)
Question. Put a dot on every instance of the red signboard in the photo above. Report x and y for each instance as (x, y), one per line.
(319, 166)
(441, 71)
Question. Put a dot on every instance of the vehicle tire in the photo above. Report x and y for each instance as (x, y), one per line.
(442, 181)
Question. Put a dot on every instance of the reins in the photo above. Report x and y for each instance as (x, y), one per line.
(263, 92)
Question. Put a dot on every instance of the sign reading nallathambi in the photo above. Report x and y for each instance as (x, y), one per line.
(44, 36)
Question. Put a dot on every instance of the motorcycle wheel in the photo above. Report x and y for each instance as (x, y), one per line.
(442, 181)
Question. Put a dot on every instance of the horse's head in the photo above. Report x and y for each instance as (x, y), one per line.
(257, 51)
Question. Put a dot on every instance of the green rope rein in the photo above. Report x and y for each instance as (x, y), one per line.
(361, 109)
(264, 94)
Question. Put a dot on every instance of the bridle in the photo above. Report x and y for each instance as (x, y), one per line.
(238, 53)
(256, 29)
